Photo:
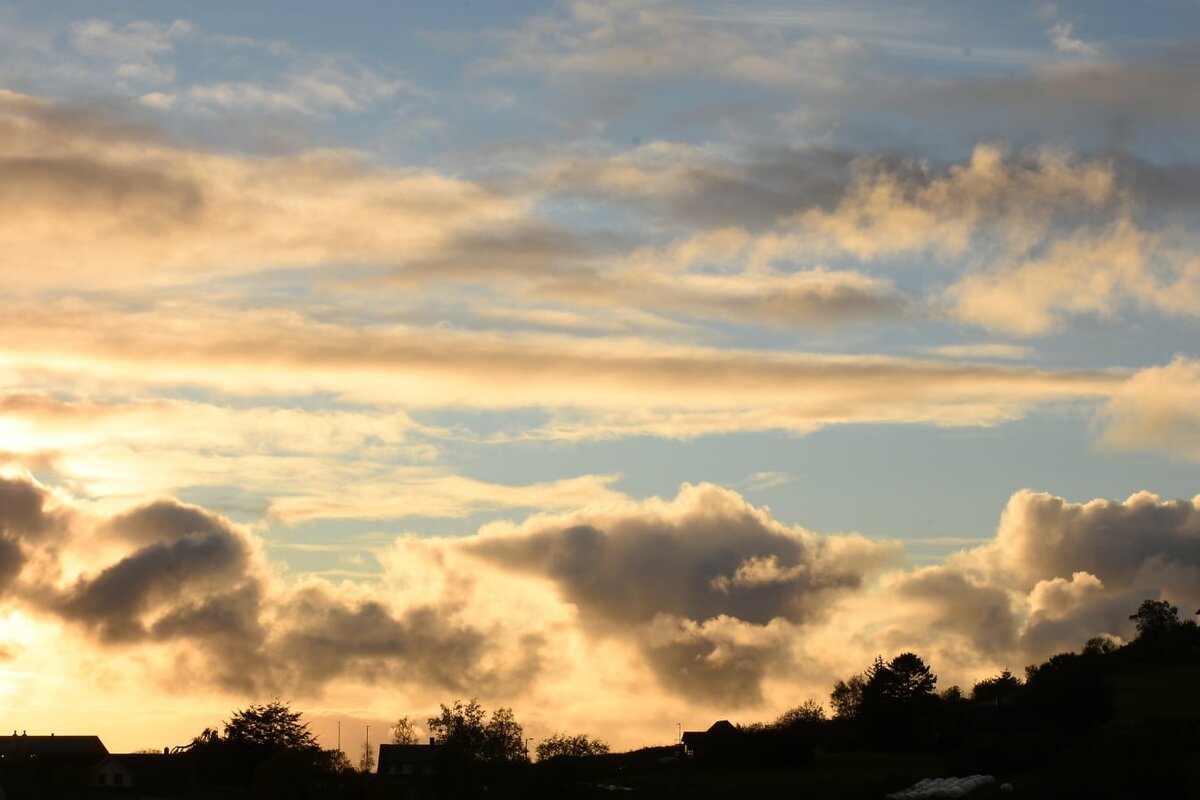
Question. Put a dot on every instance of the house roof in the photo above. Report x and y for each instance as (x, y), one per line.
(396, 754)
(52, 745)
(718, 729)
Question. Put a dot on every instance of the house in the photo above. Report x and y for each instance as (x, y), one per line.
(408, 760)
(143, 775)
(702, 744)
(47, 766)
(111, 772)
(24, 746)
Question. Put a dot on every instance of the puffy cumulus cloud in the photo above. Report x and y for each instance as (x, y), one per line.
(192, 585)
(703, 582)
(1041, 237)
(168, 214)
(589, 385)
(704, 554)
(326, 639)
(1056, 574)
(1043, 537)
(1157, 409)
(720, 662)
(1085, 273)
(637, 39)
(704, 595)
(33, 526)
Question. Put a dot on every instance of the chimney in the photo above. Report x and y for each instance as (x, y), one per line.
(166, 751)
(432, 741)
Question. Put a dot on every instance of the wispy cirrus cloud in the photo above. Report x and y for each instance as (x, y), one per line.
(638, 39)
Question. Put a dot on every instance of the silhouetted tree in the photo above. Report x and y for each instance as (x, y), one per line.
(504, 739)
(912, 681)
(366, 758)
(461, 730)
(273, 726)
(560, 744)
(1001, 690)
(898, 701)
(807, 713)
(1155, 618)
(952, 694)
(847, 697)
(338, 762)
(1071, 688)
(404, 731)
(1099, 646)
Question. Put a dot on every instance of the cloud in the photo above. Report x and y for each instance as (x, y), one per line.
(908, 206)
(697, 580)
(437, 493)
(669, 389)
(1063, 38)
(1103, 103)
(34, 527)
(1157, 410)
(310, 84)
(1089, 272)
(135, 50)
(193, 584)
(166, 578)
(639, 39)
(711, 598)
(701, 186)
(170, 214)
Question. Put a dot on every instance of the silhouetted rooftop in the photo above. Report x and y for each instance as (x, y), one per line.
(51, 745)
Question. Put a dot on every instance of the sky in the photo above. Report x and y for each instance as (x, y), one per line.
(630, 364)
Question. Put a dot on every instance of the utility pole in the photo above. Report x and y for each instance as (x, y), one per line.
(339, 736)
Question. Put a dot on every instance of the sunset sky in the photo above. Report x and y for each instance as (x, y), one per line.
(627, 363)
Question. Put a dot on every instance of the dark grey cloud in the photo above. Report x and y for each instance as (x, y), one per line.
(327, 638)
(978, 612)
(194, 581)
(724, 558)
(1164, 189)
(753, 191)
(1152, 100)
(769, 185)
(76, 182)
(31, 532)
(521, 251)
(24, 513)
(164, 521)
(704, 668)
(159, 579)
(676, 578)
